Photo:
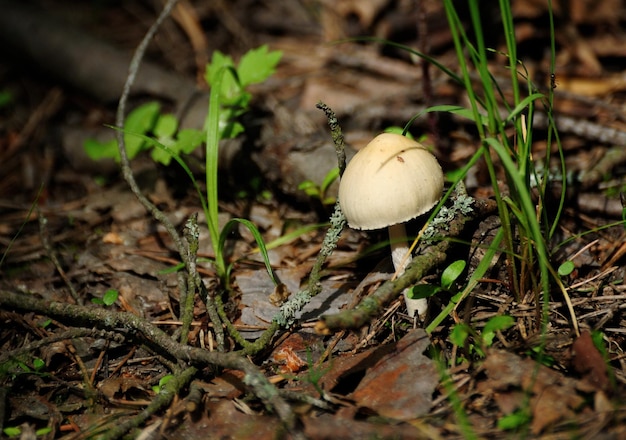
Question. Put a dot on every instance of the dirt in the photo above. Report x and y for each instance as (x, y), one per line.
(72, 232)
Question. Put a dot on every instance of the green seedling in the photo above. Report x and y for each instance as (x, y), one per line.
(448, 278)
(318, 192)
(147, 120)
(515, 420)
(566, 268)
(164, 380)
(14, 367)
(108, 299)
(537, 353)
(254, 67)
(481, 341)
(15, 431)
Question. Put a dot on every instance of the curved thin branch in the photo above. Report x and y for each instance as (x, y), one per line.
(138, 328)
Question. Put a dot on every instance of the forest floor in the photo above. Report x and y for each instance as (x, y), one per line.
(72, 234)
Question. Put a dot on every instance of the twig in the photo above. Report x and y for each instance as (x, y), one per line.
(52, 255)
(68, 334)
(138, 328)
(119, 122)
(337, 135)
(163, 399)
(289, 309)
(158, 215)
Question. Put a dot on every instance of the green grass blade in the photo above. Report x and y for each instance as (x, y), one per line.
(478, 273)
(257, 237)
(211, 170)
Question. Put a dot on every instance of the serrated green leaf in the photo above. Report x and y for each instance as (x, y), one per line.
(217, 63)
(257, 65)
(163, 155)
(142, 119)
(102, 150)
(189, 139)
(166, 126)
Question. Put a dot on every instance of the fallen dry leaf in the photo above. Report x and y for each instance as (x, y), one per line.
(401, 384)
(552, 396)
(587, 360)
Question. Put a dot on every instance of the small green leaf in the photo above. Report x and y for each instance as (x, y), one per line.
(330, 177)
(189, 139)
(101, 150)
(495, 324)
(164, 155)
(139, 121)
(451, 273)
(398, 130)
(43, 431)
(499, 323)
(459, 334)
(162, 382)
(257, 65)
(110, 296)
(566, 268)
(514, 420)
(12, 431)
(420, 291)
(166, 126)
(310, 188)
(218, 61)
(38, 364)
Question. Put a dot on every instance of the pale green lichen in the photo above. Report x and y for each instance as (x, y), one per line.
(462, 206)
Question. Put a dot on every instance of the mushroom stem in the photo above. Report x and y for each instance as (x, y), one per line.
(399, 249)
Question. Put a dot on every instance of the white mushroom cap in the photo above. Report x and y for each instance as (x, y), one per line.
(392, 180)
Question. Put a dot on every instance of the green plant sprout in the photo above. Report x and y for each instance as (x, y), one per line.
(517, 419)
(148, 120)
(254, 67)
(108, 299)
(448, 278)
(461, 333)
(566, 268)
(318, 192)
(15, 431)
(164, 380)
(14, 367)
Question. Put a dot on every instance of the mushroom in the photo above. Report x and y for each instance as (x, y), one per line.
(392, 180)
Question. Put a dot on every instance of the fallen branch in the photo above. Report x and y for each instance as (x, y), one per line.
(134, 327)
